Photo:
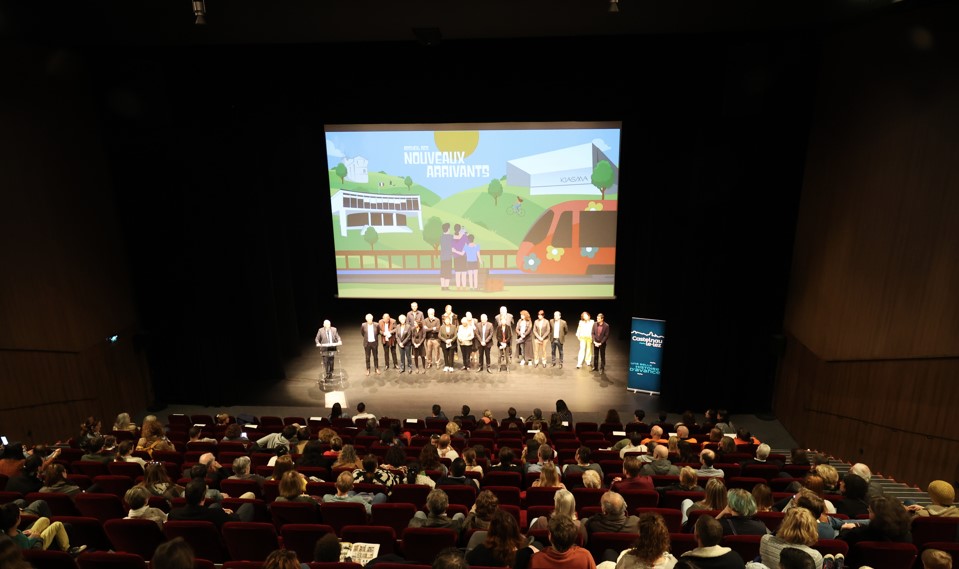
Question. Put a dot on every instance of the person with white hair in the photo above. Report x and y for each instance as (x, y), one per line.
(863, 471)
(564, 504)
(613, 517)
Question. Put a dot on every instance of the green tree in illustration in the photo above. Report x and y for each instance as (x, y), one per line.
(603, 176)
(495, 189)
(432, 232)
(340, 171)
(371, 236)
(408, 182)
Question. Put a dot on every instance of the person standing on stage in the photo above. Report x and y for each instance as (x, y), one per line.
(404, 341)
(329, 339)
(431, 327)
(584, 333)
(540, 338)
(454, 318)
(524, 338)
(504, 335)
(558, 332)
(419, 347)
(464, 336)
(600, 337)
(447, 338)
(484, 334)
(414, 315)
(370, 331)
(387, 327)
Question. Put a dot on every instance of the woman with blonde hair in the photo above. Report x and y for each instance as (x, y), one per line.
(549, 477)
(564, 504)
(591, 479)
(348, 458)
(830, 477)
(292, 488)
(799, 529)
(715, 499)
(123, 423)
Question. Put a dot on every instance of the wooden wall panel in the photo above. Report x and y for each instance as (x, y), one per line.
(65, 284)
(897, 416)
(876, 262)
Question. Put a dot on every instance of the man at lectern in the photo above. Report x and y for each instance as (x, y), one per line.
(328, 339)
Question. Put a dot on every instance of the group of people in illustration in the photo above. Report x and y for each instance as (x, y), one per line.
(417, 342)
(459, 258)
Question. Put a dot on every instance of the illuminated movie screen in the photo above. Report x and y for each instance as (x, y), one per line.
(514, 210)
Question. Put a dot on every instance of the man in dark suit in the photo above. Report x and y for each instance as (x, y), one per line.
(370, 333)
(484, 335)
(328, 338)
(600, 337)
(404, 341)
(196, 508)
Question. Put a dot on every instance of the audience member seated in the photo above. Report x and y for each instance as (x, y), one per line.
(863, 471)
(715, 499)
(55, 480)
(125, 454)
(827, 526)
(507, 462)
(89, 430)
(347, 458)
(562, 551)
(544, 455)
(655, 436)
(940, 492)
(196, 507)
(430, 459)
(830, 477)
(157, 482)
(469, 457)
(591, 479)
(660, 466)
(361, 412)
(888, 521)
(395, 458)
(763, 495)
(613, 518)
(688, 482)
(482, 511)
(284, 438)
(94, 451)
(761, 457)
(650, 551)
(153, 438)
(798, 530)
(292, 488)
(137, 498)
(457, 476)
(936, 559)
(502, 545)
(123, 423)
(40, 535)
(345, 493)
(564, 504)
(795, 558)
(234, 433)
(682, 433)
(194, 436)
(327, 548)
(632, 479)
(635, 444)
(27, 479)
(416, 475)
(371, 473)
(706, 469)
(512, 419)
(437, 503)
(173, 554)
(583, 463)
(854, 490)
(814, 483)
(241, 471)
(548, 477)
(708, 554)
(738, 517)
(444, 448)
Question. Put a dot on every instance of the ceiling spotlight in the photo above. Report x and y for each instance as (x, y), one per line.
(613, 5)
(199, 9)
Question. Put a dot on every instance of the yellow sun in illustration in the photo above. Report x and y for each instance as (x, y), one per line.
(464, 141)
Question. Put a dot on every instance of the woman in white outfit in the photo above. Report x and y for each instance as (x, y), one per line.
(584, 331)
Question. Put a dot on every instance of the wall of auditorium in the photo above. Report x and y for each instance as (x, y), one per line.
(872, 314)
(65, 287)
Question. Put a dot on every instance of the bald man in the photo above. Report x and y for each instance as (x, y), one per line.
(327, 338)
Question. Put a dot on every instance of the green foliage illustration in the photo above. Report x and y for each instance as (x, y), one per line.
(603, 176)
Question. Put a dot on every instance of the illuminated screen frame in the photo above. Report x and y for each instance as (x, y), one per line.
(538, 199)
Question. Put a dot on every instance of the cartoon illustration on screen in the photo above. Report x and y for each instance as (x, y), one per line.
(527, 213)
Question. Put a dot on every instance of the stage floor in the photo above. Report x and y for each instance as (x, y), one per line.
(402, 395)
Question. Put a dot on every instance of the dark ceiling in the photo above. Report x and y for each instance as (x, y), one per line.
(171, 22)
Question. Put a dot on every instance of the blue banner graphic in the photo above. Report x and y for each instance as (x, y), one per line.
(646, 354)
